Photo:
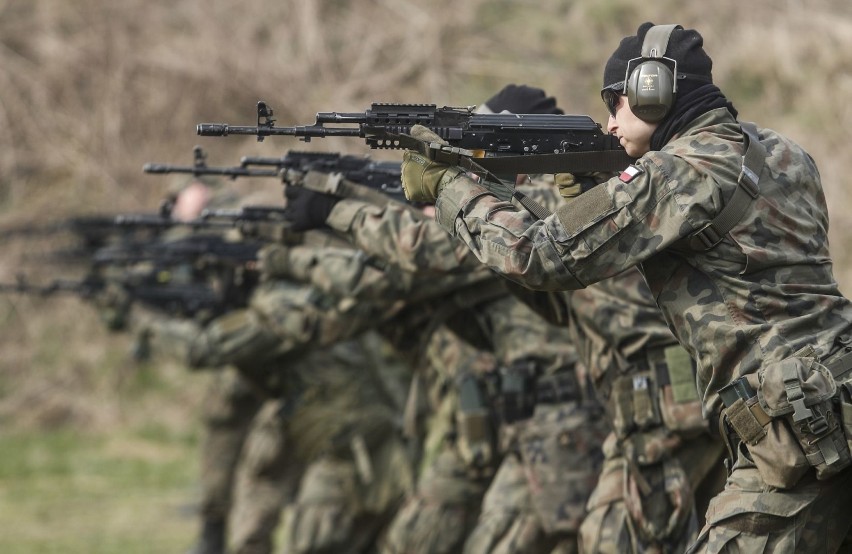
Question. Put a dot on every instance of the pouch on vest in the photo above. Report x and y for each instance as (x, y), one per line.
(633, 403)
(680, 406)
(800, 391)
(845, 397)
(517, 397)
(474, 423)
(790, 424)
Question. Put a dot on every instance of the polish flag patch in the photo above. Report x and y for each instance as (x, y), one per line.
(630, 173)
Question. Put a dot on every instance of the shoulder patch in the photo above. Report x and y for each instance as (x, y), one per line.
(630, 173)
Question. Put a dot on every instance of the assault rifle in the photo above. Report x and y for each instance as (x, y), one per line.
(209, 218)
(382, 176)
(204, 263)
(180, 299)
(93, 230)
(254, 221)
(206, 250)
(502, 144)
(199, 167)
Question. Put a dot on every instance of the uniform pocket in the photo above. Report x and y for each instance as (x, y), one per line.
(800, 392)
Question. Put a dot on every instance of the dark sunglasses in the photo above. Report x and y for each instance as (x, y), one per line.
(611, 97)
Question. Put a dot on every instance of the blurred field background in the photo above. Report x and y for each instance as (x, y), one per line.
(98, 454)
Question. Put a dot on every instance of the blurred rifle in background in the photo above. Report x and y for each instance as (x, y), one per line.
(381, 176)
(151, 290)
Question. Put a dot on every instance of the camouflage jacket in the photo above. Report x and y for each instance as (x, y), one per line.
(761, 294)
(421, 248)
(614, 320)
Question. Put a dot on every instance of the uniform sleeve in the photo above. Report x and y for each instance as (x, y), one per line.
(616, 225)
(398, 236)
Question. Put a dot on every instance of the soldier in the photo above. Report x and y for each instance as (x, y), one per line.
(622, 340)
(547, 422)
(662, 464)
(728, 224)
(329, 447)
(349, 294)
(460, 464)
(230, 403)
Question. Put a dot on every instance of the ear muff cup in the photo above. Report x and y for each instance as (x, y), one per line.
(650, 86)
(650, 91)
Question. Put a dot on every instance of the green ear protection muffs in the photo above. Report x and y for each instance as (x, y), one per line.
(651, 85)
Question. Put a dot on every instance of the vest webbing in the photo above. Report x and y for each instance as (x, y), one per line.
(747, 190)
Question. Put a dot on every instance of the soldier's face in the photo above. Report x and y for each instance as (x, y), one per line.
(633, 133)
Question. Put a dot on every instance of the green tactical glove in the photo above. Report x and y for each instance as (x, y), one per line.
(273, 261)
(569, 187)
(422, 178)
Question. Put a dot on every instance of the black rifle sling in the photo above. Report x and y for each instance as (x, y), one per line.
(747, 190)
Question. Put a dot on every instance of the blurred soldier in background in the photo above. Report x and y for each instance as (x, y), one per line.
(329, 447)
(547, 424)
(460, 455)
(230, 403)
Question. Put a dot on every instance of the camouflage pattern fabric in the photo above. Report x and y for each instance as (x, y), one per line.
(336, 408)
(437, 515)
(538, 497)
(266, 479)
(330, 451)
(761, 294)
(229, 406)
(514, 334)
(748, 516)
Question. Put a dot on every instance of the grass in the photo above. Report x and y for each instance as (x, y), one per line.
(70, 492)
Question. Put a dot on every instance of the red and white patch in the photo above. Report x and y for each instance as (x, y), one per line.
(630, 173)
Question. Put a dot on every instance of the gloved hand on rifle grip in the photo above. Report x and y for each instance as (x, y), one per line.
(307, 209)
(422, 178)
(568, 185)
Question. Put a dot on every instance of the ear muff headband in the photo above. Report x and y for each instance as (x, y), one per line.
(651, 85)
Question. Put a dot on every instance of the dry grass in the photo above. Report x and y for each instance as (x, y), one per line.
(91, 90)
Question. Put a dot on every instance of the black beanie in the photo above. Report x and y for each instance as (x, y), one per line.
(521, 99)
(685, 46)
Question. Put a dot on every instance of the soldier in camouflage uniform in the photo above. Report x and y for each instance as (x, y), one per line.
(230, 403)
(532, 505)
(417, 325)
(728, 223)
(329, 447)
(662, 463)
(623, 340)
(349, 295)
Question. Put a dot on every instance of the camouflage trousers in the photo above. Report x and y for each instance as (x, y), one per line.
(339, 510)
(230, 406)
(538, 497)
(266, 479)
(438, 515)
(652, 507)
(750, 516)
(328, 505)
